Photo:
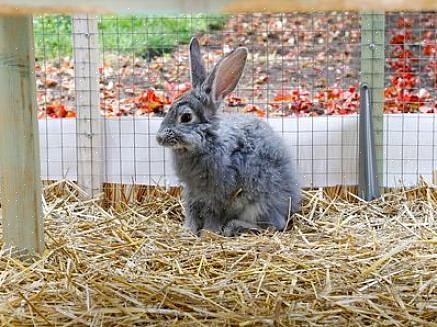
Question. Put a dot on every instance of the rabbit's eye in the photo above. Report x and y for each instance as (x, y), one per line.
(186, 117)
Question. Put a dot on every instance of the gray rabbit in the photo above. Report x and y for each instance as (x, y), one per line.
(237, 174)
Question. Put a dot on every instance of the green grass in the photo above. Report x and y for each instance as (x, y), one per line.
(52, 36)
(143, 36)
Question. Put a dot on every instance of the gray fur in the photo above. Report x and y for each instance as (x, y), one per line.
(236, 171)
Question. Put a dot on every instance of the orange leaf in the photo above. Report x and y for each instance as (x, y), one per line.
(71, 114)
(283, 96)
(254, 108)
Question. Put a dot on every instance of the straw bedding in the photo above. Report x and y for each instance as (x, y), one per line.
(342, 263)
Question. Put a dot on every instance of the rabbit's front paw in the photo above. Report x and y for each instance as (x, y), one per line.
(188, 232)
(237, 227)
(190, 226)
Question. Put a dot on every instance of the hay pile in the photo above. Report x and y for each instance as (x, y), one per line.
(342, 264)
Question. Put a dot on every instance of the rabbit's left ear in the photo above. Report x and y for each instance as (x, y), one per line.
(198, 73)
(225, 75)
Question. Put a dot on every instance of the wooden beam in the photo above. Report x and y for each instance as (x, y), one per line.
(372, 73)
(89, 120)
(327, 5)
(19, 143)
(20, 7)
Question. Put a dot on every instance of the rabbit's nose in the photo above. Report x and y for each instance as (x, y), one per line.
(163, 136)
(160, 137)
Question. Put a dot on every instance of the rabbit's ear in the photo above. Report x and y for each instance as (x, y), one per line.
(198, 73)
(226, 74)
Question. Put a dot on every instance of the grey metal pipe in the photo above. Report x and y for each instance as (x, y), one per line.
(368, 175)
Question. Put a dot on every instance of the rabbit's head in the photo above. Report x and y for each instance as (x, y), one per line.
(193, 115)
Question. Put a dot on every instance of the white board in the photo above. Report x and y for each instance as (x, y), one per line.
(326, 149)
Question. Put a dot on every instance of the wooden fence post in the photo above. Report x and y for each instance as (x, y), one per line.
(89, 127)
(22, 221)
(372, 73)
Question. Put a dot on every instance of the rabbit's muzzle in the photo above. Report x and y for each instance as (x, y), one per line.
(167, 137)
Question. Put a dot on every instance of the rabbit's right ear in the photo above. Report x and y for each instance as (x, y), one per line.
(198, 73)
(225, 75)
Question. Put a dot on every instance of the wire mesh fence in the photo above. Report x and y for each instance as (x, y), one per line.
(410, 94)
(302, 76)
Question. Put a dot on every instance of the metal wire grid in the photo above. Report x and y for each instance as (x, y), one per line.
(316, 52)
(410, 92)
(140, 154)
(304, 48)
(289, 53)
(55, 92)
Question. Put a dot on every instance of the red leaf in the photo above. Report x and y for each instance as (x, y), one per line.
(404, 22)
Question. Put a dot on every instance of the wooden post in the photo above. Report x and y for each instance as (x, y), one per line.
(89, 127)
(131, 7)
(372, 73)
(22, 221)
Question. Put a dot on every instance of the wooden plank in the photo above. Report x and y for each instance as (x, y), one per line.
(327, 5)
(19, 144)
(89, 120)
(372, 73)
(11, 7)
